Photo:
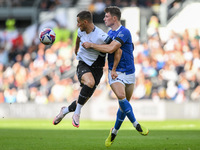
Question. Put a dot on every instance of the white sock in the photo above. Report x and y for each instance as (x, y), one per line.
(65, 110)
(78, 109)
(114, 131)
(135, 124)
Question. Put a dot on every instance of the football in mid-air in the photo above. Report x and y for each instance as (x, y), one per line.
(47, 36)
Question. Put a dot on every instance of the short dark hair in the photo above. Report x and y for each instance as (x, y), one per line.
(114, 11)
(85, 15)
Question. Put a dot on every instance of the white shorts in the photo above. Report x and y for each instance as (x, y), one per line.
(122, 78)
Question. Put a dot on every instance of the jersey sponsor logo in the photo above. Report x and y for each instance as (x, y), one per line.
(83, 71)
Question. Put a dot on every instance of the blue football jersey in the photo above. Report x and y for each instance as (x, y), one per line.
(126, 64)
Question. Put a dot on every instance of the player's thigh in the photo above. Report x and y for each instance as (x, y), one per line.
(85, 75)
(88, 79)
(129, 91)
(119, 90)
(97, 74)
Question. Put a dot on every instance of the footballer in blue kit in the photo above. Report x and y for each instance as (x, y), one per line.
(126, 64)
(121, 77)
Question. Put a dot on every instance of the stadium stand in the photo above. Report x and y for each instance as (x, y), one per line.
(33, 72)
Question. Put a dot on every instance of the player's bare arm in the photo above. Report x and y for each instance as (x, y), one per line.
(107, 48)
(117, 57)
(77, 45)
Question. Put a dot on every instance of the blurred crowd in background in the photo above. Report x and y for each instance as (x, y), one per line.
(165, 70)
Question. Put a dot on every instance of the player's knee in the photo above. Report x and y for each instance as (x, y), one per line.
(90, 83)
(121, 95)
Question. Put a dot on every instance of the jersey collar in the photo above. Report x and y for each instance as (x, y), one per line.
(94, 29)
(118, 28)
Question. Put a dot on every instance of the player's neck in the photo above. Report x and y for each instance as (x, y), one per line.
(116, 26)
(90, 28)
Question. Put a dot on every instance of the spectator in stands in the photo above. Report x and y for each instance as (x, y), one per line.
(10, 95)
(40, 98)
(3, 56)
(22, 96)
(26, 60)
(133, 3)
(20, 73)
(163, 64)
(156, 7)
(1, 97)
(44, 86)
(10, 24)
(2, 3)
(118, 3)
(49, 4)
(62, 33)
(1, 75)
(98, 7)
(139, 90)
(58, 90)
(153, 26)
(108, 3)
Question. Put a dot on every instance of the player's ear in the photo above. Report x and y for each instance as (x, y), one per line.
(85, 21)
(115, 18)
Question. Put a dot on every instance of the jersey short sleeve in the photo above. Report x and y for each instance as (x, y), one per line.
(108, 40)
(79, 33)
(122, 36)
(104, 37)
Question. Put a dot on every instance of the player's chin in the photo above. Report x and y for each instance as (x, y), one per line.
(107, 25)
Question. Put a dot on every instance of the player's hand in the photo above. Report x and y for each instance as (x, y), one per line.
(76, 52)
(87, 45)
(114, 74)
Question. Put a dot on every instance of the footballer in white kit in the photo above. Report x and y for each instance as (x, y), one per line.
(90, 66)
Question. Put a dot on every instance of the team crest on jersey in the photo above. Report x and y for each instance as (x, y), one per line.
(120, 34)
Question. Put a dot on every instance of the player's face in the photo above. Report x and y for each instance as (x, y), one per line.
(81, 24)
(109, 20)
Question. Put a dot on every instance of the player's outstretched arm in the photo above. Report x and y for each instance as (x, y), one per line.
(107, 48)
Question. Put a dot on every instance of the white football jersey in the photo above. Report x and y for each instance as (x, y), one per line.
(97, 36)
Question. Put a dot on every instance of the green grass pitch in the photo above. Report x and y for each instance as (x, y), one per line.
(32, 134)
